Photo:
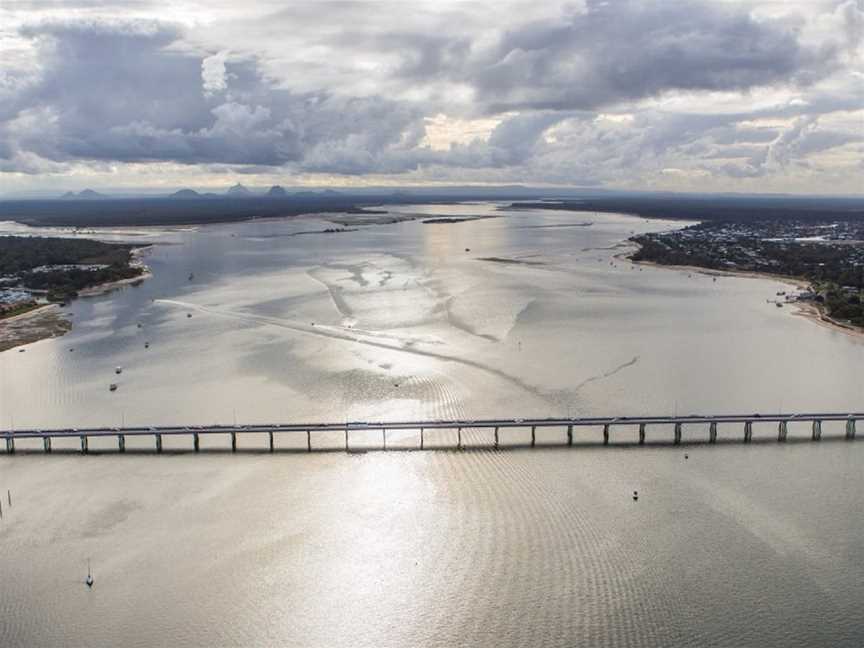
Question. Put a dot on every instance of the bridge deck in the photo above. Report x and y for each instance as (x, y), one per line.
(607, 423)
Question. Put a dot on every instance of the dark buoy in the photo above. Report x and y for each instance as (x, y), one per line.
(686, 456)
(146, 345)
(635, 496)
(188, 314)
(467, 249)
(89, 580)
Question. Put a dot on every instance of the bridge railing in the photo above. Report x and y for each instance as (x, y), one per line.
(567, 424)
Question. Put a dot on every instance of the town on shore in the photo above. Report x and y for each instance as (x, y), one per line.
(36, 271)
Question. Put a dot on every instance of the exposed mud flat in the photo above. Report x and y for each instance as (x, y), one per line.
(45, 322)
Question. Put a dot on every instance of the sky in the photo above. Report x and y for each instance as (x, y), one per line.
(682, 95)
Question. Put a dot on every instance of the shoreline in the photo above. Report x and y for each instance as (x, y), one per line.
(108, 286)
(50, 322)
(808, 310)
(43, 322)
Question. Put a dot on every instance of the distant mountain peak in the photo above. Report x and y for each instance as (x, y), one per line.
(85, 194)
(276, 192)
(238, 190)
(185, 193)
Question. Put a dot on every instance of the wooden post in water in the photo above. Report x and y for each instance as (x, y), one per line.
(817, 430)
(10, 445)
(158, 442)
(569, 435)
(748, 431)
(270, 434)
(606, 434)
(496, 437)
(121, 443)
(421, 438)
(458, 438)
(384, 437)
(850, 428)
(346, 438)
(196, 441)
(641, 434)
(46, 444)
(712, 432)
(233, 441)
(308, 441)
(84, 444)
(782, 430)
(677, 433)
(533, 435)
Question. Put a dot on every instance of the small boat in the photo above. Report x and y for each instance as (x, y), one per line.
(89, 580)
(188, 314)
(118, 370)
(779, 305)
(113, 387)
(191, 276)
(146, 345)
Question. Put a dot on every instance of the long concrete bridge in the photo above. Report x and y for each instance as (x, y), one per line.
(568, 428)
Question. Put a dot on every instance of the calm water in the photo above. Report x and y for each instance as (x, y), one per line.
(755, 545)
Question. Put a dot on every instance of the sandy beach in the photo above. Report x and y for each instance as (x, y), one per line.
(44, 322)
(811, 310)
(49, 321)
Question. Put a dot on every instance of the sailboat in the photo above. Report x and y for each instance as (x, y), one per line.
(89, 580)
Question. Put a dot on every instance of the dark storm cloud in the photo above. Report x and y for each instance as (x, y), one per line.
(622, 50)
(118, 91)
(107, 91)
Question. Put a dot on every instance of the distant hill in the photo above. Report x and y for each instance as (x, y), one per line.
(238, 191)
(185, 194)
(277, 192)
(86, 194)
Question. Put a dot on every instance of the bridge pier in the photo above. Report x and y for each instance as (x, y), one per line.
(308, 441)
(533, 435)
(421, 438)
(641, 434)
(606, 434)
(496, 437)
(817, 431)
(270, 434)
(46, 444)
(384, 438)
(10, 445)
(196, 441)
(850, 428)
(782, 430)
(712, 432)
(569, 435)
(677, 434)
(748, 431)
(233, 441)
(346, 438)
(459, 438)
(158, 442)
(121, 443)
(83, 444)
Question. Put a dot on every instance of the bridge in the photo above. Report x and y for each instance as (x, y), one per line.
(568, 427)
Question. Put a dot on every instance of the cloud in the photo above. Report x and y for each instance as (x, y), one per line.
(213, 74)
(593, 92)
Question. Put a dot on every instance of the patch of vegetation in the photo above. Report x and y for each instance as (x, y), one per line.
(21, 256)
(833, 264)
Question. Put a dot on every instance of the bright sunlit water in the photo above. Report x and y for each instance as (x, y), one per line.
(738, 545)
